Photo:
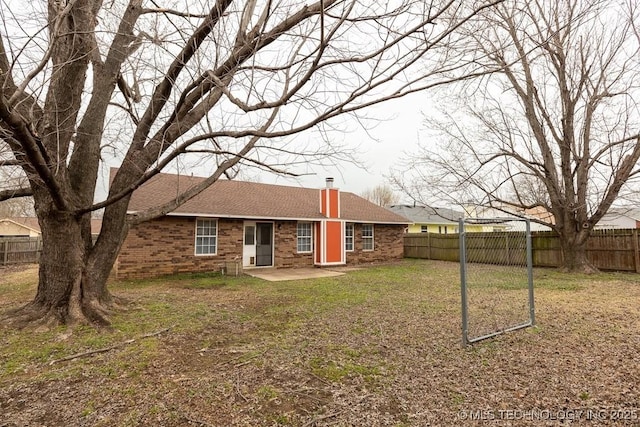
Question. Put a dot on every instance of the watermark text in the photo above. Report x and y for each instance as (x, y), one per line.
(536, 414)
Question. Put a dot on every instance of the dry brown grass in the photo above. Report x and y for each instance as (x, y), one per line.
(375, 347)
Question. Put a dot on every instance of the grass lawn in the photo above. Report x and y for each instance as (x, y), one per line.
(376, 347)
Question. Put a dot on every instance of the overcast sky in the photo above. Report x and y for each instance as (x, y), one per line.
(398, 127)
(398, 131)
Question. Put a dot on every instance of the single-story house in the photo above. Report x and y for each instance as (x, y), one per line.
(28, 226)
(255, 225)
(19, 227)
(428, 219)
(535, 215)
(618, 218)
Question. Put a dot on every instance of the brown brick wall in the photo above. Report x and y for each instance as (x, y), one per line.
(286, 246)
(167, 246)
(388, 244)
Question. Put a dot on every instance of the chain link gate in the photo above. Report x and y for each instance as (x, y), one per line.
(496, 277)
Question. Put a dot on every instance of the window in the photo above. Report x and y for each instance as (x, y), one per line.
(206, 236)
(348, 237)
(367, 237)
(424, 228)
(249, 235)
(304, 237)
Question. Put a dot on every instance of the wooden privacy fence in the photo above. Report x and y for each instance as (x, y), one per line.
(20, 250)
(617, 250)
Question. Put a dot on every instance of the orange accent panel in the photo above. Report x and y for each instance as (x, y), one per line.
(318, 242)
(323, 202)
(334, 242)
(333, 203)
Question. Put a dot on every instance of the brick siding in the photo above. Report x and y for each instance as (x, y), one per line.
(286, 246)
(167, 246)
(388, 244)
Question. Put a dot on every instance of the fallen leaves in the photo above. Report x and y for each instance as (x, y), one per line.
(373, 347)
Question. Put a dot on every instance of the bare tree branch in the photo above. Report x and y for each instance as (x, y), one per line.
(57, 20)
(15, 193)
(221, 85)
(12, 162)
(554, 124)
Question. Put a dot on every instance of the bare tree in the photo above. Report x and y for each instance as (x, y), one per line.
(382, 195)
(11, 177)
(556, 126)
(219, 84)
(20, 207)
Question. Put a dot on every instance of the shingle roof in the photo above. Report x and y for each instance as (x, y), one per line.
(241, 199)
(25, 221)
(427, 214)
(628, 212)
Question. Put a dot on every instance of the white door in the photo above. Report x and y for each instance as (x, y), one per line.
(249, 244)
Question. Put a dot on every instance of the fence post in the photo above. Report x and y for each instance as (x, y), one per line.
(506, 243)
(38, 249)
(463, 281)
(636, 250)
(529, 246)
(5, 252)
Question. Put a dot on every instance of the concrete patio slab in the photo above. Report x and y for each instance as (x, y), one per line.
(281, 274)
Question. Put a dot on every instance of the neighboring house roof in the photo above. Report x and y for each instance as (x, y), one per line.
(623, 212)
(240, 199)
(620, 218)
(538, 213)
(427, 214)
(31, 222)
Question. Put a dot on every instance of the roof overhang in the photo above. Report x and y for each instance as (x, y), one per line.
(270, 218)
(21, 225)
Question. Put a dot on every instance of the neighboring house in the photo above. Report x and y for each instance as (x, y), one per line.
(483, 212)
(426, 219)
(619, 218)
(19, 227)
(255, 225)
(541, 214)
(29, 227)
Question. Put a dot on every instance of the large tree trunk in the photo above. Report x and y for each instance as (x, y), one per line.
(574, 252)
(70, 290)
(73, 272)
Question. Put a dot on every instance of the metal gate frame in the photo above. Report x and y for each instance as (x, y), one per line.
(463, 279)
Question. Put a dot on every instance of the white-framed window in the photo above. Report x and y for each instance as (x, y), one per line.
(249, 235)
(206, 236)
(348, 237)
(424, 228)
(304, 237)
(367, 237)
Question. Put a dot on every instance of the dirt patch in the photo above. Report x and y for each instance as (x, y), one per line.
(17, 284)
(373, 347)
(17, 272)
